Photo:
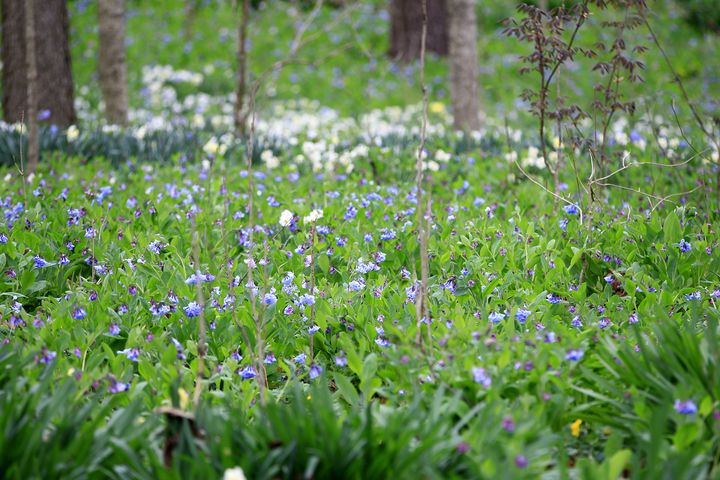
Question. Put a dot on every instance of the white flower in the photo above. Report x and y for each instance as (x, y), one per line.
(314, 216)
(271, 161)
(72, 133)
(285, 218)
(442, 156)
(198, 121)
(533, 159)
(234, 474)
(212, 147)
(432, 165)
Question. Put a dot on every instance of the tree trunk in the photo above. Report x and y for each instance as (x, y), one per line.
(464, 65)
(112, 66)
(54, 89)
(33, 156)
(406, 28)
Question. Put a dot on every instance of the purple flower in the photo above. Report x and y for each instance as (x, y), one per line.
(496, 317)
(481, 377)
(45, 356)
(522, 315)
(693, 296)
(571, 209)
(192, 309)
(552, 298)
(156, 246)
(270, 359)
(178, 349)
(248, 372)
(307, 299)
(131, 353)
(574, 355)
(79, 313)
(300, 358)
(40, 262)
(270, 299)
(117, 387)
(340, 360)
(356, 285)
(113, 329)
(315, 370)
(313, 329)
(684, 246)
(508, 424)
(686, 407)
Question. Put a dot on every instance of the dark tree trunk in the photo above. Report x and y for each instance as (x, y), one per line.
(112, 65)
(33, 157)
(52, 53)
(464, 65)
(406, 28)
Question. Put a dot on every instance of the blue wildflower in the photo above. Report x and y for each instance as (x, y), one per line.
(693, 296)
(192, 309)
(574, 355)
(248, 372)
(686, 407)
(684, 246)
(131, 353)
(522, 315)
(571, 209)
(481, 377)
(40, 262)
(552, 298)
(496, 317)
(270, 299)
(315, 370)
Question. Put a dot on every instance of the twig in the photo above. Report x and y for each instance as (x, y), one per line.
(202, 330)
(421, 302)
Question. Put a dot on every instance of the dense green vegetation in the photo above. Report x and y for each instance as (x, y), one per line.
(571, 336)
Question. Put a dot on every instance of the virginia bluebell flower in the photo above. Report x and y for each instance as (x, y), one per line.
(686, 407)
(574, 355)
(40, 262)
(131, 353)
(192, 309)
(248, 372)
(684, 246)
(496, 317)
(480, 376)
(522, 315)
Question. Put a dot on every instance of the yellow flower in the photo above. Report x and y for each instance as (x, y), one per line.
(184, 398)
(575, 428)
(437, 107)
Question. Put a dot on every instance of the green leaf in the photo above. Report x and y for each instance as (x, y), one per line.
(672, 231)
(685, 435)
(346, 389)
(617, 463)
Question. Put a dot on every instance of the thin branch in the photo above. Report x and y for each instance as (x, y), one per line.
(202, 329)
(421, 302)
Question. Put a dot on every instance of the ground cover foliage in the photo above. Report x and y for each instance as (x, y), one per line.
(574, 322)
